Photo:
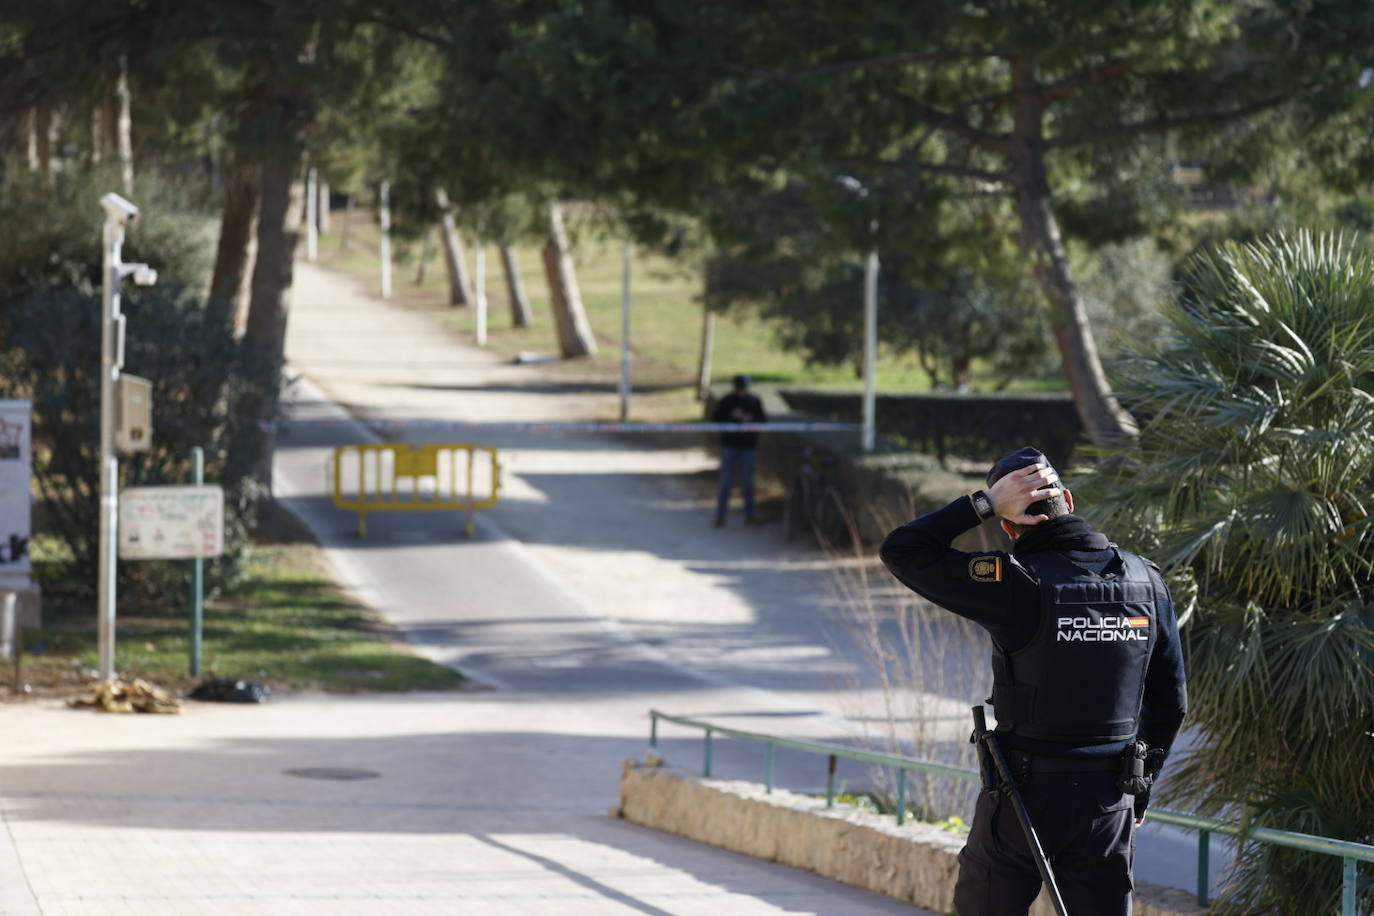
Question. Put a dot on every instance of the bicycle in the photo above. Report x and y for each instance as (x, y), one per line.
(814, 502)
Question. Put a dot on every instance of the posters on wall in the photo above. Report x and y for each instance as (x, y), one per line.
(16, 462)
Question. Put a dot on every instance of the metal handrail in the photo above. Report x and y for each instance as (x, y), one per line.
(1349, 852)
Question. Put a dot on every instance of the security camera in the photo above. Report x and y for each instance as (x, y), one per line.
(119, 209)
(144, 275)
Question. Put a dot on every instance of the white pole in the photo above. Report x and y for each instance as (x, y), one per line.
(870, 350)
(480, 293)
(626, 256)
(312, 215)
(109, 462)
(384, 216)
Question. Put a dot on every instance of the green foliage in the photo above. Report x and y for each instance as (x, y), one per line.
(50, 238)
(1251, 483)
(948, 294)
(209, 389)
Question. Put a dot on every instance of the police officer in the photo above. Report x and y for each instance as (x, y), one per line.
(1088, 684)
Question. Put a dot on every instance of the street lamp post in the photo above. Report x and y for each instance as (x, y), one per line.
(118, 214)
(869, 429)
(870, 433)
(627, 253)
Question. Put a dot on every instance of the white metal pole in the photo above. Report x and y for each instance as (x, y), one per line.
(626, 257)
(870, 350)
(312, 215)
(480, 293)
(384, 215)
(109, 462)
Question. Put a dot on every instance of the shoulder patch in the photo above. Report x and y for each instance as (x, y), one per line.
(985, 569)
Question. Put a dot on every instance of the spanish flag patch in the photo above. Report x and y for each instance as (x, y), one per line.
(1137, 621)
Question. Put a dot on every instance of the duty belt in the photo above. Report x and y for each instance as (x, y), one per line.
(1038, 763)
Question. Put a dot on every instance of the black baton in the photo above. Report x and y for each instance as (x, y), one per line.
(1008, 788)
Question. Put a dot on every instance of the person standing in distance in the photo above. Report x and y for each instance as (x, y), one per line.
(1088, 685)
(738, 451)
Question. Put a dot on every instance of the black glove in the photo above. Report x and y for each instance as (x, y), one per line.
(1142, 801)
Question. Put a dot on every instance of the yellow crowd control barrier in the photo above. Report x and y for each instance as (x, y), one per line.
(441, 477)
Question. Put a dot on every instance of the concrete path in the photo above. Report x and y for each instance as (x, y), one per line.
(619, 533)
(484, 802)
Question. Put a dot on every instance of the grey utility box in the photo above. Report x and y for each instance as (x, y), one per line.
(133, 414)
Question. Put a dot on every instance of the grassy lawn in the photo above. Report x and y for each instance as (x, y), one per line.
(288, 624)
(666, 321)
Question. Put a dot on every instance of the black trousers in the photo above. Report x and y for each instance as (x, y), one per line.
(1087, 829)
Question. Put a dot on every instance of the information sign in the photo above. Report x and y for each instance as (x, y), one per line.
(16, 437)
(171, 523)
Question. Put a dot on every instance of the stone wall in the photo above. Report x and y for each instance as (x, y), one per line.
(915, 863)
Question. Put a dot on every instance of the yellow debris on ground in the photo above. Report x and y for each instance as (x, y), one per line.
(140, 696)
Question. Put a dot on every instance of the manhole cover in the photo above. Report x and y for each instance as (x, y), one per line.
(338, 774)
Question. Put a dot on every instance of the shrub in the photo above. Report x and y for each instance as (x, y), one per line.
(209, 389)
(1251, 482)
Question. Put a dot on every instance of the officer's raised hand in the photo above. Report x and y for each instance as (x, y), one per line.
(1011, 494)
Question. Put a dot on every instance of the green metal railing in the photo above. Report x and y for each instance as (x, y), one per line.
(1350, 853)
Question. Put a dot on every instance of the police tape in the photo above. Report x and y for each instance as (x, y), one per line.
(579, 427)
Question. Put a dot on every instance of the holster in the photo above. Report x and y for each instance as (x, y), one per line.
(987, 770)
(1140, 766)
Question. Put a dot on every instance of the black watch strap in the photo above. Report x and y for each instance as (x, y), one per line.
(982, 505)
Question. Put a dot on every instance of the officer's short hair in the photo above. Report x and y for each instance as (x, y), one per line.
(1024, 457)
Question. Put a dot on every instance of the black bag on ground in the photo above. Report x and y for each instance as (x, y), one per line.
(228, 690)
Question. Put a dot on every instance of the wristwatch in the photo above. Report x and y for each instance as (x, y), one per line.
(982, 505)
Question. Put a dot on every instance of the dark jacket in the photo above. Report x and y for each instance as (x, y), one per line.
(725, 413)
(1001, 596)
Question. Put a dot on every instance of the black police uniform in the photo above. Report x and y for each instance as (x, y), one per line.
(1086, 657)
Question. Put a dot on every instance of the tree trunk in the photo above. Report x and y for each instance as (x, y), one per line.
(708, 346)
(426, 253)
(97, 132)
(31, 137)
(269, 301)
(42, 133)
(241, 189)
(520, 314)
(1103, 418)
(125, 140)
(347, 221)
(570, 317)
(459, 286)
(324, 206)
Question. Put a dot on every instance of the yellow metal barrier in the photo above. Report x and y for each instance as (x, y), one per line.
(367, 478)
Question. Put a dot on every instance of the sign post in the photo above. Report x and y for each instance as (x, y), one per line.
(176, 523)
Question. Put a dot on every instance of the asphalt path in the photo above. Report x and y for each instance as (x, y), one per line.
(598, 574)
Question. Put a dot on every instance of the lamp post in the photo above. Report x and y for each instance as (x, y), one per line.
(869, 430)
(118, 214)
(627, 253)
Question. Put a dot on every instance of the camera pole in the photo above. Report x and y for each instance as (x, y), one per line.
(111, 361)
(118, 213)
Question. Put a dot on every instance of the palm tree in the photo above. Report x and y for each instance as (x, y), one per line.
(1252, 484)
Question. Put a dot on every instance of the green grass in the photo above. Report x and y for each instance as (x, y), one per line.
(666, 321)
(288, 624)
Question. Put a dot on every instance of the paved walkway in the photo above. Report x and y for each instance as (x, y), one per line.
(483, 802)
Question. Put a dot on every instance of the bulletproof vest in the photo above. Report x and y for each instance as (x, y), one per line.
(1081, 678)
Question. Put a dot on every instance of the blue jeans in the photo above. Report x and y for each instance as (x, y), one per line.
(736, 462)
